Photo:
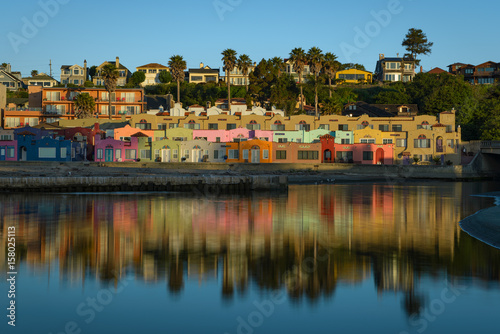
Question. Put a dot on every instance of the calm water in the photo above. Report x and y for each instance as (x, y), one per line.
(360, 258)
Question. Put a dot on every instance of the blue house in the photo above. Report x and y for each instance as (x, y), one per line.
(37, 133)
(44, 149)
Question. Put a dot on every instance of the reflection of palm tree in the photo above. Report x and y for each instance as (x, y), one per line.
(175, 277)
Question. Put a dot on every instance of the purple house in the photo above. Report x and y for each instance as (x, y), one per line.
(8, 150)
(112, 150)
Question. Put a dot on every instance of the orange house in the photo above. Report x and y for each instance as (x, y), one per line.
(251, 151)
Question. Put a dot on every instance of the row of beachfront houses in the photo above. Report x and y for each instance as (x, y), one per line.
(129, 144)
(119, 141)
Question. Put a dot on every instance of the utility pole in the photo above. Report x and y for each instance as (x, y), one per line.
(50, 65)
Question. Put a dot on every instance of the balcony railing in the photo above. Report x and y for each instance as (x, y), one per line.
(23, 109)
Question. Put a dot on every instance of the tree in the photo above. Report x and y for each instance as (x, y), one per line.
(34, 73)
(84, 105)
(330, 67)
(416, 43)
(110, 76)
(279, 64)
(333, 106)
(244, 63)
(177, 66)
(298, 58)
(88, 84)
(137, 78)
(315, 59)
(229, 60)
(92, 72)
(165, 77)
(348, 66)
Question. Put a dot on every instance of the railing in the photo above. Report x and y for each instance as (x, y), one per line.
(490, 144)
(23, 109)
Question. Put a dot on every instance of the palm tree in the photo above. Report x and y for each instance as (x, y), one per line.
(315, 58)
(298, 58)
(331, 66)
(279, 64)
(110, 76)
(34, 73)
(229, 60)
(244, 63)
(177, 66)
(84, 105)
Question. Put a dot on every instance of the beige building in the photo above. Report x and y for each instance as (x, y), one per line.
(40, 79)
(74, 74)
(203, 74)
(152, 72)
(124, 73)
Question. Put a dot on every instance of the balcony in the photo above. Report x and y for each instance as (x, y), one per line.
(23, 109)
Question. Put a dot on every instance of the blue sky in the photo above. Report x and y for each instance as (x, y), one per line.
(142, 32)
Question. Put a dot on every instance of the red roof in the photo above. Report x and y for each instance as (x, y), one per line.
(438, 125)
(437, 70)
(139, 134)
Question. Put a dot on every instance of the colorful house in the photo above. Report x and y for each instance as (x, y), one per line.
(297, 152)
(253, 151)
(201, 150)
(166, 150)
(112, 150)
(44, 149)
(8, 150)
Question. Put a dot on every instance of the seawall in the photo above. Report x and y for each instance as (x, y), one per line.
(212, 184)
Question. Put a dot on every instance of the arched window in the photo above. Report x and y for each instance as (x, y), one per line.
(303, 126)
(278, 126)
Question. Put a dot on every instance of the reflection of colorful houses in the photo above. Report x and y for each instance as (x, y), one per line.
(296, 152)
(44, 149)
(112, 150)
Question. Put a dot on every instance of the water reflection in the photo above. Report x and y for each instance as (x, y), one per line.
(309, 241)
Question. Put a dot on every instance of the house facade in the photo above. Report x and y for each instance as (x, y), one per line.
(152, 72)
(394, 69)
(485, 73)
(40, 79)
(353, 76)
(74, 74)
(123, 73)
(204, 74)
(58, 102)
(10, 79)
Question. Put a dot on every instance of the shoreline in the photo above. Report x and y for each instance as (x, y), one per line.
(484, 226)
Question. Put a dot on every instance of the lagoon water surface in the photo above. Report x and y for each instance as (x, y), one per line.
(345, 258)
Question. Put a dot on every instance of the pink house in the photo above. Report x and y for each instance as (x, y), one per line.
(367, 154)
(8, 150)
(238, 134)
(112, 150)
(263, 134)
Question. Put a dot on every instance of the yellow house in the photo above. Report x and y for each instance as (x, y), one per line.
(354, 76)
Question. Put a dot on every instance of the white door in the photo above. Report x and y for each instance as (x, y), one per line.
(196, 155)
(165, 155)
(255, 156)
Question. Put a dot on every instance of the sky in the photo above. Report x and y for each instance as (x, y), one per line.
(65, 32)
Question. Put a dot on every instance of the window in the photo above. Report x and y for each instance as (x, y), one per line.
(5, 137)
(99, 153)
(145, 154)
(230, 126)
(345, 141)
(282, 140)
(387, 141)
(392, 77)
(173, 125)
(400, 142)
(162, 126)
(64, 152)
(175, 154)
(393, 66)
(308, 155)
(76, 72)
(343, 127)
(143, 125)
(47, 152)
(449, 143)
(118, 154)
(367, 141)
(277, 126)
(302, 126)
(192, 125)
(245, 154)
(422, 142)
(469, 71)
(186, 154)
(397, 128)
(130, 154)
(253, 126)
(265, 154)
(367, 155)
(449, 128)
(10, 152)
(196, 78)
(216, 154)
(54, 96)
(128, 97)
(233, 154)
(383, 127)
(280, 155)
(324, 127)
(31, 121)
(213, 126)
(13, 122)
(408, 67)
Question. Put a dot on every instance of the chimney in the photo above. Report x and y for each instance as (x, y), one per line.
(381, 56)
(397, 54)
(8, 69)
(421, 69)
(117, 62)
(85, 70)
(202, 65)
